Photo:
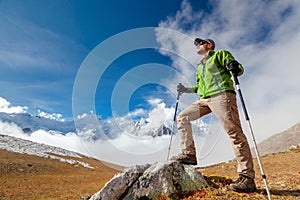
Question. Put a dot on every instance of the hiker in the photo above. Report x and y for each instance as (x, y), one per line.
(217, 95)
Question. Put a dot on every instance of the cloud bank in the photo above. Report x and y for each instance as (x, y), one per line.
(5, 106)
(126, 146)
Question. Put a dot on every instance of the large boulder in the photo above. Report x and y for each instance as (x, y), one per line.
(119, 184)
(151, 181)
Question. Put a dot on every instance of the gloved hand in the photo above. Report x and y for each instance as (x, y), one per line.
(233, 66)
(182, 89)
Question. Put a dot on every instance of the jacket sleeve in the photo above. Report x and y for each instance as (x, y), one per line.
(193, 89)
(224, 57)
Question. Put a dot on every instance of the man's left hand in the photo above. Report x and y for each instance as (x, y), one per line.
(233, 66)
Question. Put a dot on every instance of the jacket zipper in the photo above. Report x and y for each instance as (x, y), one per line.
(204, 85)
(216, 82)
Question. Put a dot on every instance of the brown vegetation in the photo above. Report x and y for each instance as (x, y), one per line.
(282, 171)
(31, 177)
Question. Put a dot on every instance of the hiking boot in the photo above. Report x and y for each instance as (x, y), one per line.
(186, 159)
(243, 184)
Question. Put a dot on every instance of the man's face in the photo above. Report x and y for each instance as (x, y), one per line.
(202, 47)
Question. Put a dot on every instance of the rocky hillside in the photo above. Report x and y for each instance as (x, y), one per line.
(30, 170)
(281, 142)
(18, 145)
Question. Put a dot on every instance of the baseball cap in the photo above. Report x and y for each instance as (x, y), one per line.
(197, 40)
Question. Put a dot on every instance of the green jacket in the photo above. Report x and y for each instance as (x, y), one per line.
(213, 77)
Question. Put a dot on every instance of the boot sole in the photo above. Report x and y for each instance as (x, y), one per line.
(241, 190)
(186, 162)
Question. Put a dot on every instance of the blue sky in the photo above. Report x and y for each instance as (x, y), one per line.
(44, 46)
(44, 43)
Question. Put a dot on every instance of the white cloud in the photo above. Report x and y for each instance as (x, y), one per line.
(5, 106)
(154, 101)
(81, 116)
(54, 116)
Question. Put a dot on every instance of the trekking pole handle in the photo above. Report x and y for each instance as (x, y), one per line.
(176, 107)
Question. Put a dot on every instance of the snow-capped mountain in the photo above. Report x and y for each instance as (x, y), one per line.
(89, 127)
(18, 145)
(33, 123)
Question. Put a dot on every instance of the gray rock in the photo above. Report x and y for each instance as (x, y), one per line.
(150, 182)
(119, 184)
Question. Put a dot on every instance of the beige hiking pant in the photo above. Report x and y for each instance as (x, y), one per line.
(225, 108)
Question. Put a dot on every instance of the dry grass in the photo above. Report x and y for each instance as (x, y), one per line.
(283, 177)
(31, 177)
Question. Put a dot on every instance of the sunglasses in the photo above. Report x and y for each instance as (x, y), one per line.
(200, 43)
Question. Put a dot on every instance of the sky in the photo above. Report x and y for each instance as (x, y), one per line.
(44, 43)
(62, 58)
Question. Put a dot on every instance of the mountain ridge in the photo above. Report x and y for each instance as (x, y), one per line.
(280, 142)
(89, 127)
(18, 145)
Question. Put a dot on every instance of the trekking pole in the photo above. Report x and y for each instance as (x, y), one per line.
(173, 124)
(237, 84)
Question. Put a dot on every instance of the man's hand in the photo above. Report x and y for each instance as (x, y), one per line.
(182, 89)
(233, 66)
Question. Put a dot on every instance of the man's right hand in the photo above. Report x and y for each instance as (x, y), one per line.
(182, 89)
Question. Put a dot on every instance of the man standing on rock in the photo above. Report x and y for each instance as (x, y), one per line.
(217, 95)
